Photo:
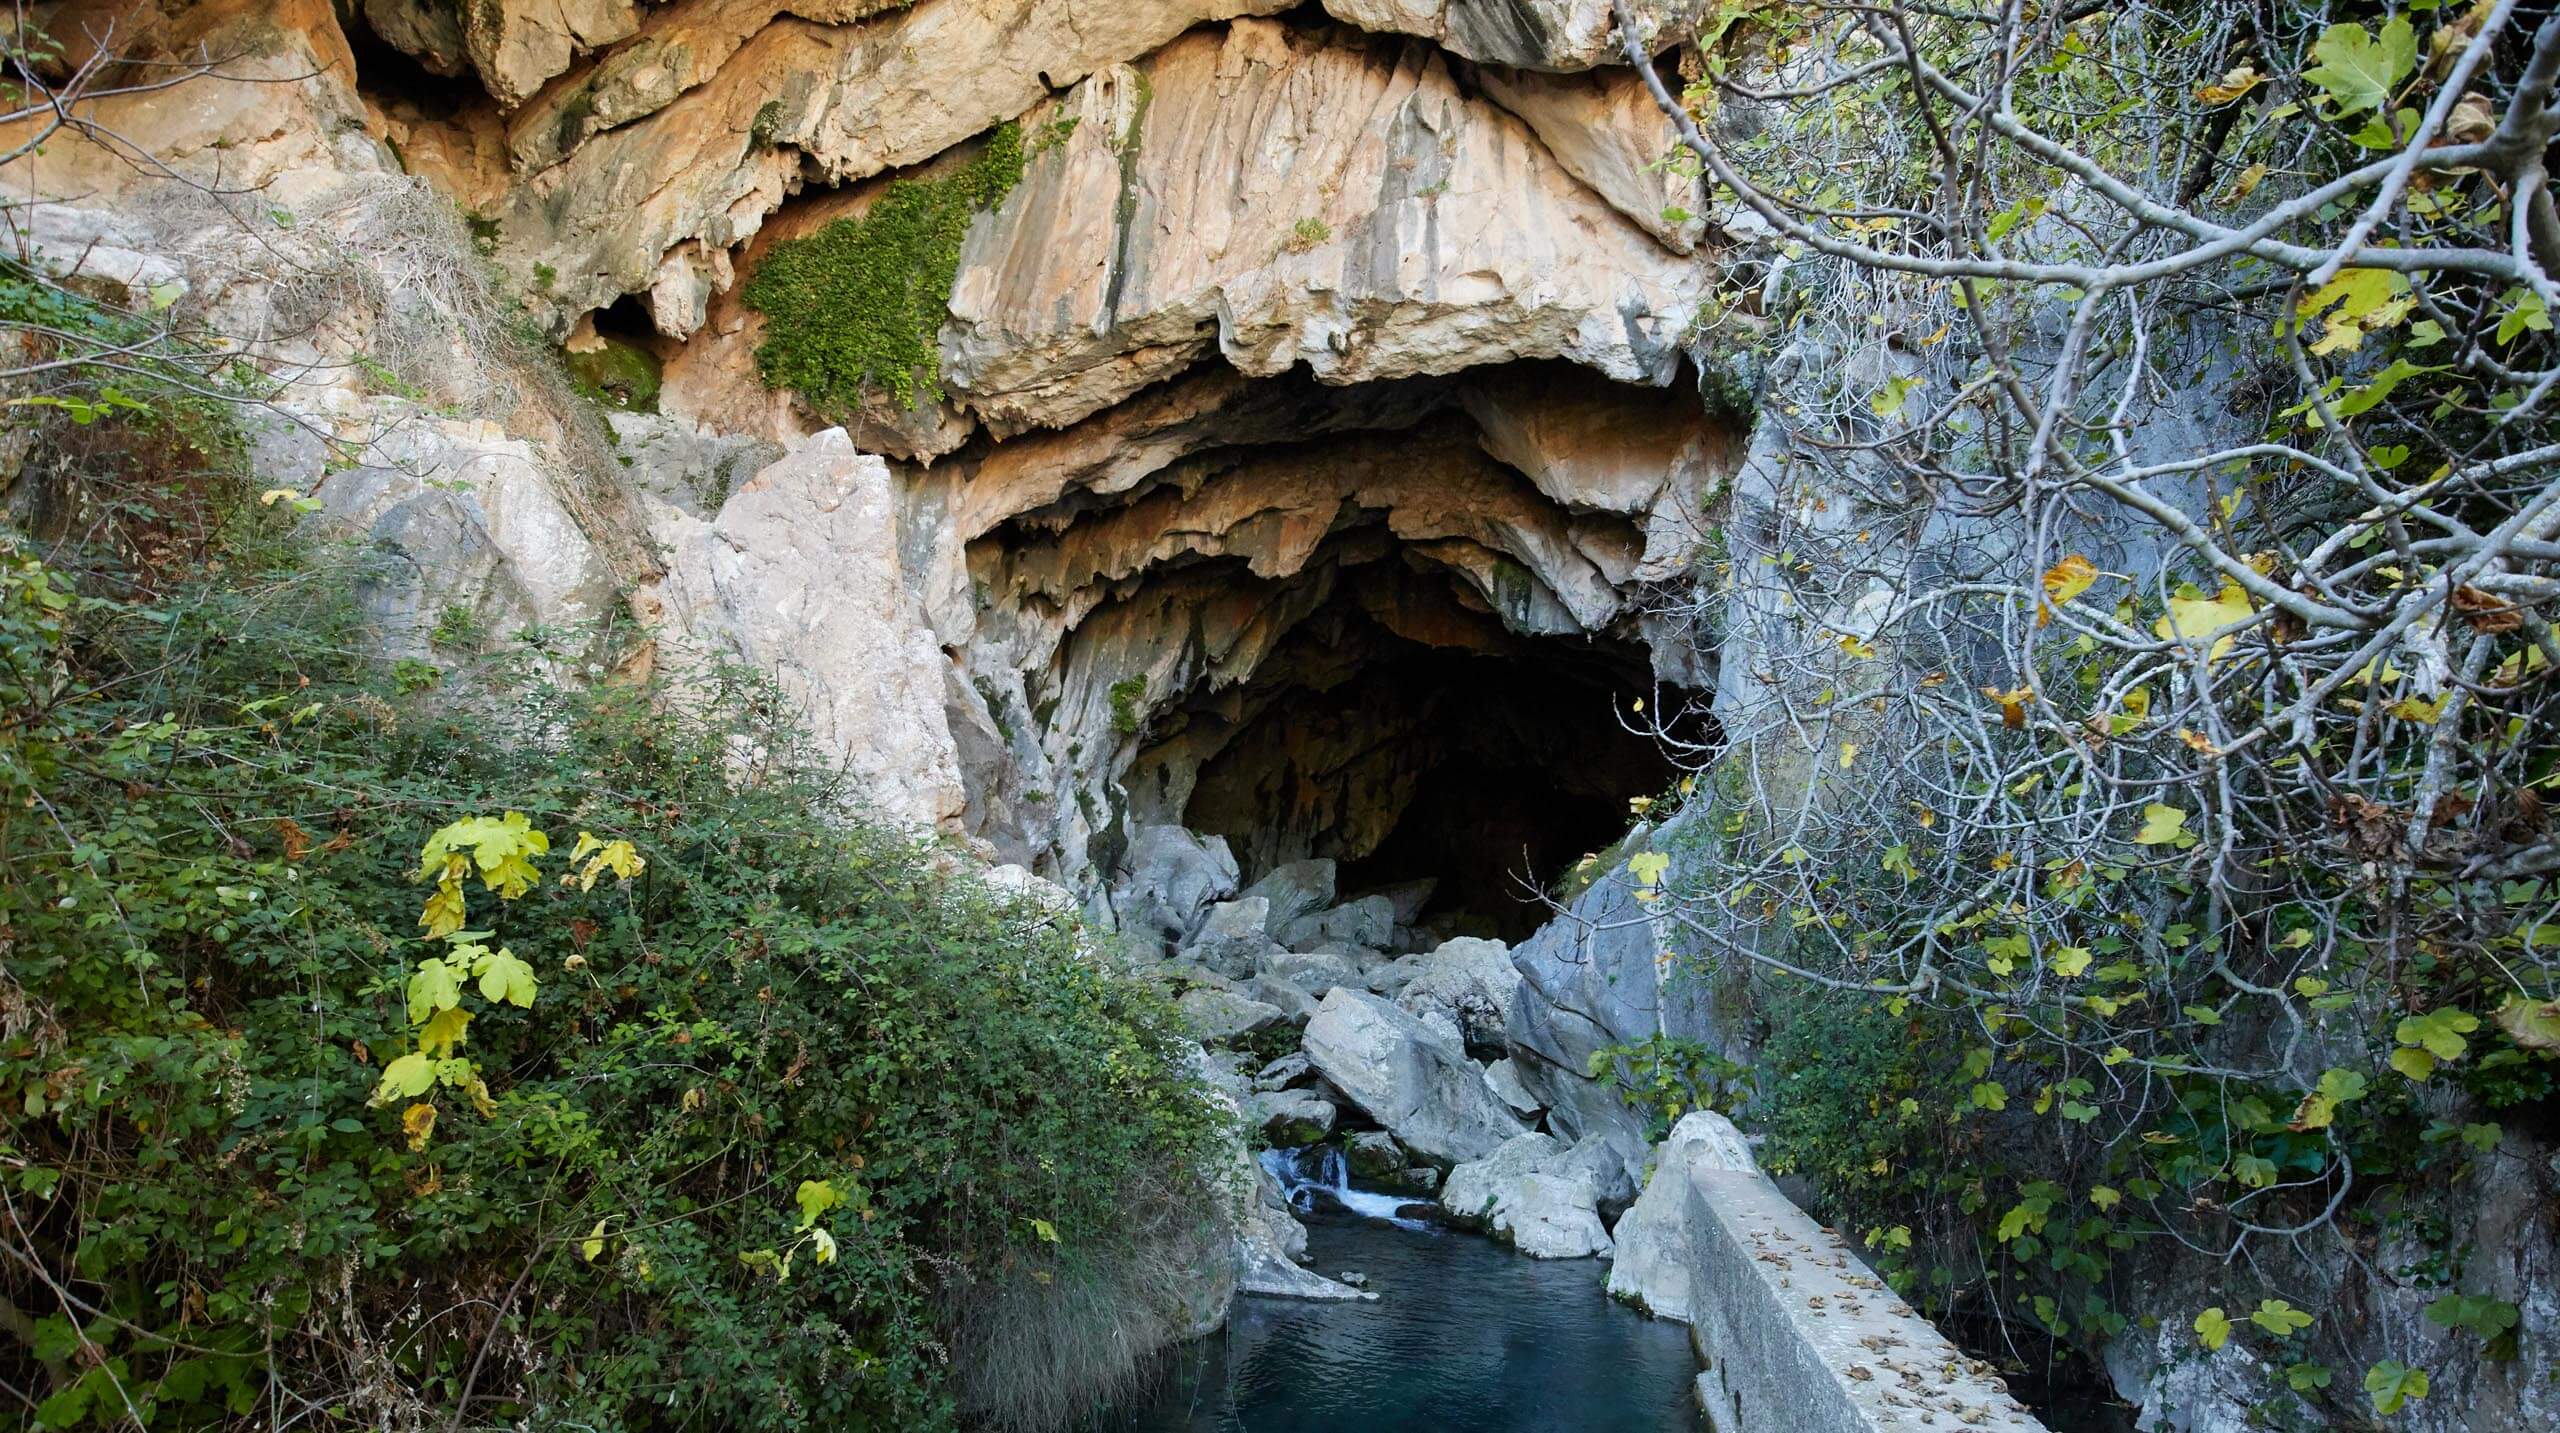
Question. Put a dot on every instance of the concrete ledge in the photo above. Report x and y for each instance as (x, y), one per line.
(1794, 1332)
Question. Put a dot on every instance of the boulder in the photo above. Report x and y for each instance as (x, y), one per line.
(1407, 898)
(1232, 939)
(1417, 1083)
(465, 517)
(1299, 1005)
(1375, 1152)
(1615, 1164)
(1421, 1178)
(1281, 1074)
(1313, 971)
(686, 466)
(1552, 1216)
(1391, 978)
(1473, 983)
(1290, 1118)
(1654, 1256)
(1504, 1076)
(1369, 923)
(1212, 1014)
(1171, 876)
(1293, 889)
(1477, 1188)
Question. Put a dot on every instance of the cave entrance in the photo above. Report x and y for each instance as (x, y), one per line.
(1465, 780)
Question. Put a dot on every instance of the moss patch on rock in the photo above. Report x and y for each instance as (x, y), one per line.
(854, 308)
(622, 374)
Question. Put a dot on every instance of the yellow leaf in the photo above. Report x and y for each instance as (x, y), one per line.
(2063, 581)
(418, 1122)
(444, 912)
(2417, 709)
(2244, 184)
(2235, 82)
(2070, 960)
(1848, 754)
(443, 1032)
(2160, 825)
(2013, 704)
(1647, 867)
(2194, 619)
(410, 1075)
(504, 977)
(2213, 1328)
(593, 1245)
(2355, 293)
(1857, 647)
(615, 856)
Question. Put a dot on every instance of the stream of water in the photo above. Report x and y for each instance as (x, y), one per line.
(1465, 1337)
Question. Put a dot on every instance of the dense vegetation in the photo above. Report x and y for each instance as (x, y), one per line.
(2136, 821)
(386, 1047)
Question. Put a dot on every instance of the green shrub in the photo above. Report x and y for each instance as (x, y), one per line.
(855, 307)
(1128, 712)
(211, 812)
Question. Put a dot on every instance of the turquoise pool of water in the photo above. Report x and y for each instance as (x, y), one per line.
(1465, 1337)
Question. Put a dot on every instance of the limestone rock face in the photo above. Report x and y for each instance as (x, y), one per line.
(1544, 34)
(1606, 131)
(518, 44)
(1288, 198)
(848, 101)
(799, 576)
(1417, 1083)
(470, 519)
(515, 45)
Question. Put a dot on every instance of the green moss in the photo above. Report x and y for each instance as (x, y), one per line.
(621, 375)
(768, 122)
(855, 306)
(1126, 714)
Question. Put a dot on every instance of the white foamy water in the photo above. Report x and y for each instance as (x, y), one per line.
(1319, 1172)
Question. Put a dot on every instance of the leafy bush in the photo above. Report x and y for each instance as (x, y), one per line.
(212, 806)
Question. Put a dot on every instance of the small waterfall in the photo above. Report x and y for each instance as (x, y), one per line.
(1320, 1171)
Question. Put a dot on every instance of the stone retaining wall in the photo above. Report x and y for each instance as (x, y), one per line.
(1794, 1332)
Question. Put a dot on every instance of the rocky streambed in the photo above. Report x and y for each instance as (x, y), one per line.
(1406, 1080)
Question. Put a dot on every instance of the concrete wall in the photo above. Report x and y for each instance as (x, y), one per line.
(1794, 1332)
